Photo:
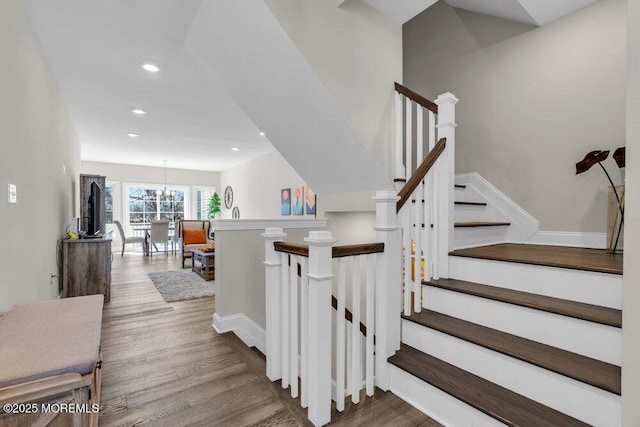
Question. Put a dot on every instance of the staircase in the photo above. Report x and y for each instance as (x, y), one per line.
(511, 356)
(498, 333)
(491, 332)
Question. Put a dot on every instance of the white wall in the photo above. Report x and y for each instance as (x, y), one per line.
(356, 52)
(631, 277)
(533, 102)
(147, 175)
(256, 186)
(38, 141)
(240, 273)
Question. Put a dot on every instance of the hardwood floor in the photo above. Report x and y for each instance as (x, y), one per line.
(164, 364)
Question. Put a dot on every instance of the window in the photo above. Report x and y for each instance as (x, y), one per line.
(203, 196)
(108, 207)
(147, 203)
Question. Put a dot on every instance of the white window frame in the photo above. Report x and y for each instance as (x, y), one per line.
(153, 186)
(194, 197)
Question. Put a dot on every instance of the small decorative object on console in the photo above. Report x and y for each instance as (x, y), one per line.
(235, 214)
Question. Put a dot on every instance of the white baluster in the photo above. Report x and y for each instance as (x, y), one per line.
(370, 289)
(356, 361)
(398, 130)
(388, 293)
(340, 336)
(320, 311)
(293, 319)
(273, 298)
(286, 336)
(407, 222)
(409, 138)
(446, 129)
(304, 334)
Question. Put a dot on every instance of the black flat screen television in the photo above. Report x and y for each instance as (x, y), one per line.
(95, 207)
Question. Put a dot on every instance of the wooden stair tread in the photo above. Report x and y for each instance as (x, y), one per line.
(596, 260)
(471, 203)
(498, 402)
(581, 368)
(481, 224)
(592, 313)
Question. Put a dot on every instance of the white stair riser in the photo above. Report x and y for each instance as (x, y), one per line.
(466, 237)
(578, 336)
(435, 403)
(475, 213)
(574, 398)
(574, 285)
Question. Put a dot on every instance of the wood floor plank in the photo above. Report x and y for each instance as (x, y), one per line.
(581, 368)
(578, 310)
(597, 260)
(164, 364)
(498, 402)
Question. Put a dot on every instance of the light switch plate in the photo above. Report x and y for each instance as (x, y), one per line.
(13, 194)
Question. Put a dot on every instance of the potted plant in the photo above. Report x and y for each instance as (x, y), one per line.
(597, 157)
(214, 209)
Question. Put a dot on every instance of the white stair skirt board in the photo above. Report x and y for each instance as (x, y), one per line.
(246, 329)
(574, 285)
(579, 400)
(589, 339)
(437, 404)
(522, 227)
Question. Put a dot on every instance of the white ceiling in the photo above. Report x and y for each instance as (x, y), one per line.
(96, 48)
(534, 12)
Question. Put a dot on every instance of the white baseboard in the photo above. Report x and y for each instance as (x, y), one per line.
(569, 238)
(246, 329)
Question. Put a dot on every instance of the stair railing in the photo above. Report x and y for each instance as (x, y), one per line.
(299, 319)
(425, 210)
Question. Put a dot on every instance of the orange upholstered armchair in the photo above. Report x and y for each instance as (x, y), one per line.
(192, 234)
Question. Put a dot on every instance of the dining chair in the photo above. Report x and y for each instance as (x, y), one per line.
(159, 233)
(131, 239)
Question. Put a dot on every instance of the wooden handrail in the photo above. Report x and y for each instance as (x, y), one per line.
(420, 173)
(353, 250)
(292, 248)
(336, 252)
(430, 105)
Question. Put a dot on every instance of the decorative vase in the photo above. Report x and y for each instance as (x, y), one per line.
(615, 228)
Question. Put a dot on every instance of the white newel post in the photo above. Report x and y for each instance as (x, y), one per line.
(444, 216)
(273, 285)
(319, 343)
(388, 284)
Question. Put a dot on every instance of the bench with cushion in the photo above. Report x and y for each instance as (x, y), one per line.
(50, 354)
(192, 234)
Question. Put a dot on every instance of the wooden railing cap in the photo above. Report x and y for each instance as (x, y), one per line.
(415, 97)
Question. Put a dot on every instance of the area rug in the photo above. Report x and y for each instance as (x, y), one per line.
(181, 285)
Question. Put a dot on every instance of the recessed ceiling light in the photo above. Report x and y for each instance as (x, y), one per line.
(235, 148)
(139, 111)
(132, 134)
(261, 133)
(150, 67)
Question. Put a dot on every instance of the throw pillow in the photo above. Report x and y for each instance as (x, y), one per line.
(194, 237)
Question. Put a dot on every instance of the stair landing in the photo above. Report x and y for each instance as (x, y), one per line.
(597, 260)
